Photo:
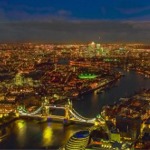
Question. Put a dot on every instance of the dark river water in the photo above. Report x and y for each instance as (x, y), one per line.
(32, 134)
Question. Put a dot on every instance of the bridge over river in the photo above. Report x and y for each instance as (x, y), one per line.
(71, 115)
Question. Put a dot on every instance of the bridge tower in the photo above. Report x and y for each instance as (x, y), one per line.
(70, 104)
(67, 115)
(67, 108)
(45, 109)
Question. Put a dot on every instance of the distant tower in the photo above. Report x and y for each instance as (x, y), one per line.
(29, 81)
(98, 46)
(54, 61)
(19, 79)
(55, 66)
(92, 45)
(74, 68)
(91, 49)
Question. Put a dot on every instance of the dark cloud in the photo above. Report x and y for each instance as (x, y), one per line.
(75, 31)
(134, 10)
(28, 10)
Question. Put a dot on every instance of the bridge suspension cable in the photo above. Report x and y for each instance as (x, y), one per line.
(32, 113)
(84, 118)
(79, 117)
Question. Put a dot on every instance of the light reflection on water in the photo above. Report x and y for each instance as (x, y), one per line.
(20, 130)
(47, 136)
(32, 134)
(28, 134)
(91, 104)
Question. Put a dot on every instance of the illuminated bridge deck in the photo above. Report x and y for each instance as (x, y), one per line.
(71, 115)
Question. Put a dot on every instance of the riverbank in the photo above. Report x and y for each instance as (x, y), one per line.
(102, 86)
(4, 132)
(6, 122)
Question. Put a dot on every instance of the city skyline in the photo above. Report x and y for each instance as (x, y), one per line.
(49, 92)
(75, 21)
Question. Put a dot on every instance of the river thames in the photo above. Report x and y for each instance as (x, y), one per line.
(32, 134)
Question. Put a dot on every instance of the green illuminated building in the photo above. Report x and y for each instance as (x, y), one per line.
(87, 76)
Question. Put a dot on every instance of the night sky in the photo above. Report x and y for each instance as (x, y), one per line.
(74, 20)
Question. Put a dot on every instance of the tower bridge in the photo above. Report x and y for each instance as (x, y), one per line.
(70, 114)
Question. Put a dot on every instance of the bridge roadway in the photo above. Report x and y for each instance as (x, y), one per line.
(44, 116)
(56, 107)
(55, 117)
(70, 114)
